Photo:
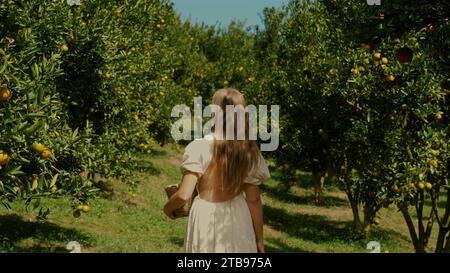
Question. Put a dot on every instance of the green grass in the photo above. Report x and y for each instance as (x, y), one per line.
(120, 222)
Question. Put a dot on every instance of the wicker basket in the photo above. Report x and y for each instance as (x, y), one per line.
(183, 211)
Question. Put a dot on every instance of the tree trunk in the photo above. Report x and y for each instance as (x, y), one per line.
(447, 244)
(421, 236)
(411, 228)
(440, 240)
(369, 215)
(357, 224)
(319, 181)
(428, 228)
(444, 229)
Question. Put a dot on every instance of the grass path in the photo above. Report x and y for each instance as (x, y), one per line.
(123, 222)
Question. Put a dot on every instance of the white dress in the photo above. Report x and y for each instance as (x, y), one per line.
(218, 227)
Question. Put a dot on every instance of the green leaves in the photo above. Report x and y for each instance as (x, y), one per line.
(33, 128)
(379, 113)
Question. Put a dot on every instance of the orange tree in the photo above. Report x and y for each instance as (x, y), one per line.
(290, 45)
(41, 154)
(228, 59)
(352, 99)
(112, 69)
(397, 82)
(296, 64)
(149, 64)
(321, 127)
(416, 83)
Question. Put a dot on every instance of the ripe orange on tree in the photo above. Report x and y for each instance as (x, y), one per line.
(394, 188)
(39, 147)
(4, 158)
(420, 185)
(46, 154)
(376, 56)
(433, 163)
(390, 78)
(365, 45)
(118, 12)
(64, 48)
(4, 94)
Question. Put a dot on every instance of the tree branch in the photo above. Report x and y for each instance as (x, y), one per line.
(434, 209)
(428, 229)
(410, 224)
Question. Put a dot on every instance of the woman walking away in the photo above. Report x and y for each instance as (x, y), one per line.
(226, 216)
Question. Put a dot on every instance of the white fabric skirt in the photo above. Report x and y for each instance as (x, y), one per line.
(220, 227)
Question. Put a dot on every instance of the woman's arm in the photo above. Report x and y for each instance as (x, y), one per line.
(253, 198)
(183, 194)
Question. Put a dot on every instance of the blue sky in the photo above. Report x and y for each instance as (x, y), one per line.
(224, 11)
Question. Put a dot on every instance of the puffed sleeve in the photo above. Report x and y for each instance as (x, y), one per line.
(260, 174)
(192, 158)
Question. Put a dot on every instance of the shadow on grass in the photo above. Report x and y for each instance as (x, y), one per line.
(289, 197)
(441, 204)
(159, 152)
(387, 236)
(319, 229)
(316, 228)
(278, 246)
(184, 143)
(106, 189)
(304, 178)
(179, 241)
(146, 166)
(46, 237)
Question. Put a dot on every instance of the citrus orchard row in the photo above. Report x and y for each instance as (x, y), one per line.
(364, 99)
(363, 93)
(83, 87)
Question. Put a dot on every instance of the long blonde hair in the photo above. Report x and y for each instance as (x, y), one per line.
(232, 159)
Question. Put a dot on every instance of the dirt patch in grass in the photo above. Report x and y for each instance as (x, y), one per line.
(137, 201)
(174, 160)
